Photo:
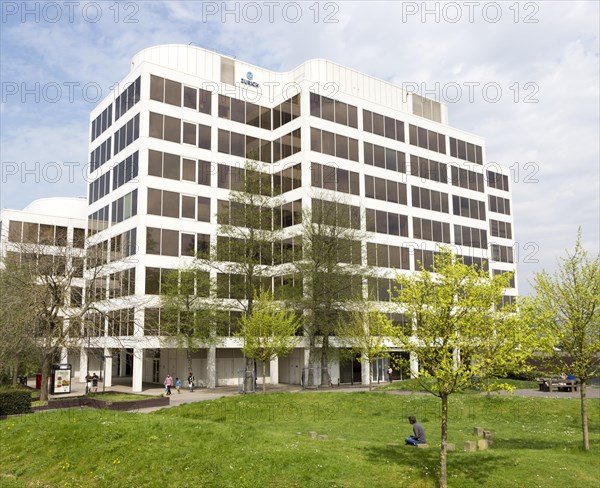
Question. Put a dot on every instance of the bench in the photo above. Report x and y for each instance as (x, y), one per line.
(557, 384)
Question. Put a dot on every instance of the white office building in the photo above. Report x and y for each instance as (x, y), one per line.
(165, 146)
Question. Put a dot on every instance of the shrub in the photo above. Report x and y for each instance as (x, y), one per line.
(15, 401)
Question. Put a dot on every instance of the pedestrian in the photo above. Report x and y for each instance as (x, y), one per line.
(168, 384)
(190, 380)
(95, 382)
(390, 371)
(178, 384)
(88, 383)
(418, 436)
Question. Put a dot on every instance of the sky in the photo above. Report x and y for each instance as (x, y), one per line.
(523, 75)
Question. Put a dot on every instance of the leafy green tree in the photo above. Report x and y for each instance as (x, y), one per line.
(333, 272)
(188, 314)
(455, 316)
(268, 332)
(566, 314)
(366, 331)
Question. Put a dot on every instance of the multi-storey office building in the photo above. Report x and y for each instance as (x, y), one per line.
(166, 147)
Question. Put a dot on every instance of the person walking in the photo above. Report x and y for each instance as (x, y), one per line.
(389, 372)
(168, 384)
(95, 382)
(190, 380)
(178, 385)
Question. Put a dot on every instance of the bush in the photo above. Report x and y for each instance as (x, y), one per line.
(15, 401)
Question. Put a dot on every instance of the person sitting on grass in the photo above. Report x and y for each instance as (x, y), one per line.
(418, 436)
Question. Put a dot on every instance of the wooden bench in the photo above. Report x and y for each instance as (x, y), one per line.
(557, 384)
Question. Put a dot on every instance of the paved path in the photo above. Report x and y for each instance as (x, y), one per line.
(203, 394)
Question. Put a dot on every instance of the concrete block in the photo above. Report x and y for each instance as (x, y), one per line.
(450, 446)
(422, 446)
(478, 431)
(312, 435)
(323, 437)
(488, 436)
(470, 446)
(482, 444)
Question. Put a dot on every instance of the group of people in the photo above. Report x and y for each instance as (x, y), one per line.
(178, 383)
(91, 381)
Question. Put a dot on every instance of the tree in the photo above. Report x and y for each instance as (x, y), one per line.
(366, 331)
(246, 235)
(566, 314)
(268, 332)
(17, 344)
(333, 272)
(455, 314)
(64, 310)
(188, 314)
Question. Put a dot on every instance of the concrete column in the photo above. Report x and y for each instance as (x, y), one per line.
(122, 362)
(83, 364)
(107, 367)
(274, 371)
(138, 364)
(414, 365)
(365, 372)
(211, 367)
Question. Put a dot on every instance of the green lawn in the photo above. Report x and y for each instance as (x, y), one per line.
(262, 441)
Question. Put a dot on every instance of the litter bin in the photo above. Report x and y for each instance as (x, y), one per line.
(38, 381)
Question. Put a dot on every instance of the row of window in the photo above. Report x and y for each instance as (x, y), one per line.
(427, 139)
(466, 151)
(500, 229)
(266, 253)
(166, 242)
(468, 179)
(499, 204)
(241, 215)
(258, 116)
(387, 223)
(431, 230)
(123, 245)
(121, 323)
(467, 207)
(511, 283)
(100, 155)
(259, 149)
(428, 169)
(469, 236)
(383, 157)
(386, 190)
(429, 199)
(127, 134)
(124, 207)
(381, 289)
(174, 130)
(99, 187)
(102, 122)
(121, 283)
(497, 180)
(125, 171)
(98, 221)
(386, 256)
(333, 178)
(333, 144)
(45, 234)
(333, 110)
(383, 126)
(502, 254)
(426, 107)
(335, 213)
(128, 98)
(172, 204)
(174, 167)
(168, 91)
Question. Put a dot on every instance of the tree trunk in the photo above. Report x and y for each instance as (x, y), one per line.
(46, 362)
(249, 381)
(264, 375)
(584, 416)
(15, 375)
(324, 361)
(443, 451)
(309, 379)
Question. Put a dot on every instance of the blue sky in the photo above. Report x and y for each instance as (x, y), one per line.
(524, 75)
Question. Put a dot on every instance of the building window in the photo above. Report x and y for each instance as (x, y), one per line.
(467, 179)
(499, 204)
(469, 236)
(427, 139)
(465, 151)
(467, 207)
(429, 199)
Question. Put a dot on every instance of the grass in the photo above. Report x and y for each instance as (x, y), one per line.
(262, 441)
(120, 397)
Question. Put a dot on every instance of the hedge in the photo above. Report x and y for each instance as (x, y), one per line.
(15, 402)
